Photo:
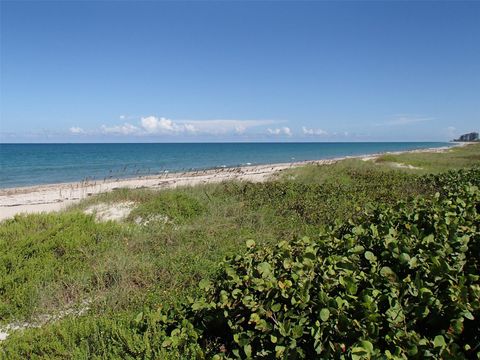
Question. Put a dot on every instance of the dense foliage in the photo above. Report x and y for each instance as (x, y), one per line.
(401, 283)
(396, 282)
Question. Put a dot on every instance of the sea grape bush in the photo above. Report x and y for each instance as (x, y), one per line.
(398, 284)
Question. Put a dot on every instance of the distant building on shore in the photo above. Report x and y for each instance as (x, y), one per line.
(473, 136)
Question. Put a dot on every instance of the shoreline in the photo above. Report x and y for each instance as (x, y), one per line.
(56, 197)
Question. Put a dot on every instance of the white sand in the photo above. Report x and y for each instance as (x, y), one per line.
(55, 197)
(116, 212)
(44, 319)
(404, 166)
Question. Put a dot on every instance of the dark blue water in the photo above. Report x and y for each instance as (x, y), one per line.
(32, 164)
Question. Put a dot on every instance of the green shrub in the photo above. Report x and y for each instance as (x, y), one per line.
(51, 258)
(105, 338)
(170, 205)
(330, 201)
(400, 283)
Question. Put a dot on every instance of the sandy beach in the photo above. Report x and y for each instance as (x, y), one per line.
(55, 197)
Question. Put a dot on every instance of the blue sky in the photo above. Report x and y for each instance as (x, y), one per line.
(238, 71)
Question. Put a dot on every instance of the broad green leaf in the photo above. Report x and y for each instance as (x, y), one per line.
(370, 256)
(388, 273)
(167, 342)
(468, 315)
(359, 249)
(276, 307)
(264, 269)
(324, 314)
(367, 345)
(439, 341)
(250, 244)
(279, 350)
(248, 350)
(359, 353)
(404, 258)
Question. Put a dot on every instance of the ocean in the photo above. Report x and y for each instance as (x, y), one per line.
(34, 164)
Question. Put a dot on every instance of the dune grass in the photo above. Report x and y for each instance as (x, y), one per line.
(455, 158)
(174, 238)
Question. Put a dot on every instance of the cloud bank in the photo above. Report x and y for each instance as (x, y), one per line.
(153, 125)
(285, 131)
(76, 130)
(125, 129)
(313, 132)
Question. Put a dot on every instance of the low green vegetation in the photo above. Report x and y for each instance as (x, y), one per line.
(352, 260)
(50, 260)
(173, 206)
(455, 158)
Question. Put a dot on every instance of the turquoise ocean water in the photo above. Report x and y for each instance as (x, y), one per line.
(32, 164)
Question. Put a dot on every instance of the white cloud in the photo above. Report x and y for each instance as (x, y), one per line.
(280, 131)
(190, 128)
(317, 132)
(240, 129)
(76, 130)
(401, 119)
(152, 125)
(218, 127)
(125, 129)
